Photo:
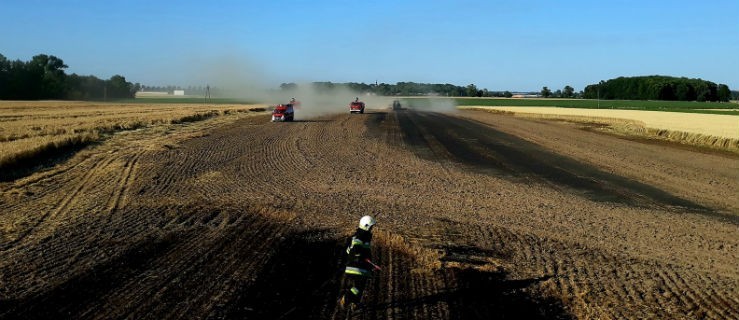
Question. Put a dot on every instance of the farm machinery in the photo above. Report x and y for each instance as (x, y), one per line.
(285, 112)
(356, 106)
(396, 105)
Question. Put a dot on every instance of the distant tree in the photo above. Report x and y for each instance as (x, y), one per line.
(507, 94)
(4, 76)
(85, 88)
(41, 78)
(557, 94)
(73, 90)
(288, 86)
(50, 69)
(471, 90)
(706, 91)
(118, 87)
(384, 89)
(545, 92)
(137, 87)
(568, 92)
(723, 93)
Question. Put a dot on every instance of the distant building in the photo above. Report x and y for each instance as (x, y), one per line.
(179, 92)
(526, 96)
(140, 94)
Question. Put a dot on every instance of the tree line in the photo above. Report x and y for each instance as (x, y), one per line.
(566, 92)
(658, 88)
(404, 89)
(43, 77)
(623, 88)
(425, 89)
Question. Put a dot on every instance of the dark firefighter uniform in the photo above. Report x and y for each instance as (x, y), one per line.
(358, 268)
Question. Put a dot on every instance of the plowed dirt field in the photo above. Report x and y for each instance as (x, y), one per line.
(479, 215)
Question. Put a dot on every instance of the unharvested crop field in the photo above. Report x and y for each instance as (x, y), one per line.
(651, 105)
(480, 216)
(724, 126)
(707, 130)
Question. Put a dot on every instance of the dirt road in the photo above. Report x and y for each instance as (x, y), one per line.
(479, 216)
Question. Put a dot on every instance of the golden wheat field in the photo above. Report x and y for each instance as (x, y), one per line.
(31, 128)
(707, 130)
(706, 124)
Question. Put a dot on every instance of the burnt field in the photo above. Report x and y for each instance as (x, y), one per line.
(479, 215)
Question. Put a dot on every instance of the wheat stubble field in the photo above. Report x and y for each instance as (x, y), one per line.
(480, 216)
(31, 131)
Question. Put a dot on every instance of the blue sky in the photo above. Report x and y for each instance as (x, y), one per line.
(499, 45)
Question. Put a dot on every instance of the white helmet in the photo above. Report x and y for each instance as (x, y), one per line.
(366, 223)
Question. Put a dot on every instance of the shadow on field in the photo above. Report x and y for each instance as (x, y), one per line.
(78, 294)
(437, 136)
(481, 293)
(300, 281)
(471, 292)
(489, 295)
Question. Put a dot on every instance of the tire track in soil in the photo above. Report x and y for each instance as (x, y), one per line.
(62, 205)
(124, 185)
(114, 203)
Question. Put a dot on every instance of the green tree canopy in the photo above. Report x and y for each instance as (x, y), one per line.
(545, 92)
(471, 90)
(723, 93)
(657, 88)
(568, 92)
(43, 77)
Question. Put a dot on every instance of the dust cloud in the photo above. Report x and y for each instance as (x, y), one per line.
(236, 76)
(317, 102)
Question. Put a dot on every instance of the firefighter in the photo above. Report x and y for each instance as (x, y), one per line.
(359, 265)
